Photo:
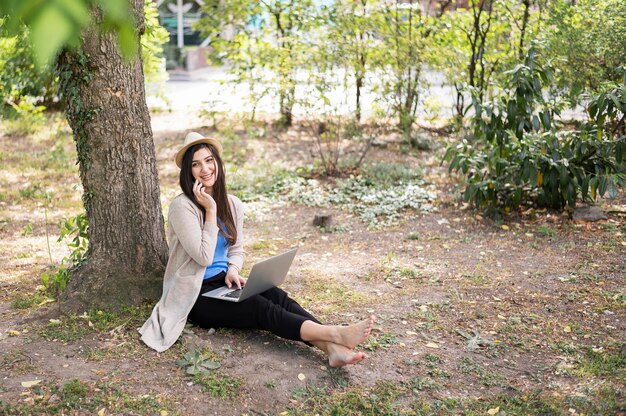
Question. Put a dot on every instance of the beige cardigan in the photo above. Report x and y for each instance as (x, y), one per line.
(191, 250)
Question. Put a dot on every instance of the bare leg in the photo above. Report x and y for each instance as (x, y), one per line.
(338, 355)
(349, 336)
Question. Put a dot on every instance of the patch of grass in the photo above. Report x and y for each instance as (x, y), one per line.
(413, 236)
(609, 362)
(386, 174)
(547, 231)
(434, 407)
(261, 245)
(383, 341)
(614, 300)
(604, 401)
(381, 399)
(478, 279)
(70, 329)
(78, 397)
(568, 348)
(218, 384)
(417, 384)
(28, 301)
(404, 272)
(433, 365)
(270, 384)
(327, 296)
(105, 321)
(74, 327)
(339, 228)
(17, 362)
(488, 377)
(426, 318)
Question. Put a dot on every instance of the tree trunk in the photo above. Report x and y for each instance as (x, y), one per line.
(109, 117)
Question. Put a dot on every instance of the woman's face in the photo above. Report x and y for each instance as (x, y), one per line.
(204, 168)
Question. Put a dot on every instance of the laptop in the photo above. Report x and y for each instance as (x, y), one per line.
(263, 276)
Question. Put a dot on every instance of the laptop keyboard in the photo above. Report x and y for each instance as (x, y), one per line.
(234, 294)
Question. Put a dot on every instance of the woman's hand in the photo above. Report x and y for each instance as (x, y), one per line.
(233, 278)
(203, 197)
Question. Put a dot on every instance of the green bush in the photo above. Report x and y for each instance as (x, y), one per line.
(19, 77)
(517, 156)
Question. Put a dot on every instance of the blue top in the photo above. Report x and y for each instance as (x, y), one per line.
(220, 258)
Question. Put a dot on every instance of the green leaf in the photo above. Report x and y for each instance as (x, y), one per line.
(211, 365)
(50, 30)
(127, 40)
(536, 122)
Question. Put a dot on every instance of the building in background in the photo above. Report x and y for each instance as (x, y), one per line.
(187, 50)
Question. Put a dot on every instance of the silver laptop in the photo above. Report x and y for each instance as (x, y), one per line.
(263, 276)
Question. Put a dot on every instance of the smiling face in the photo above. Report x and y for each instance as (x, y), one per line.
(204, 168)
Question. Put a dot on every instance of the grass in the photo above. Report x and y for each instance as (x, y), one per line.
(379, 400)
(547, 231)
(78, 397)
(488, 377)
(75, 327)
(389, 398)
(327, 296)
(383, 341)
(17, 362)
(608, 362)
(219, 385)
(29, 300)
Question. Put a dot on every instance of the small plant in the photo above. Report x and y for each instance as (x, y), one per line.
(384, 341)
(29, 117)
(334, 136)
(194, 362)
(77, 227)
(547, 231)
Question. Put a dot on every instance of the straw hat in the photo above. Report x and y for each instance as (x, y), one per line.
(196, 138)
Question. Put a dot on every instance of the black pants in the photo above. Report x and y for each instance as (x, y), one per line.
(272, 310)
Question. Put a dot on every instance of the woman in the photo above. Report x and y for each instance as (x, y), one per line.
(206, 249)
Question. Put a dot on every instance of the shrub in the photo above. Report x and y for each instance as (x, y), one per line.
(517, 155)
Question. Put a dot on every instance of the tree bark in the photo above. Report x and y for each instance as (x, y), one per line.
(109, 117)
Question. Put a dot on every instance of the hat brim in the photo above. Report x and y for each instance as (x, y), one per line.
(181, 152)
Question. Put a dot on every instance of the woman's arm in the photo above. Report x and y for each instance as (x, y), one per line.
(198, 241)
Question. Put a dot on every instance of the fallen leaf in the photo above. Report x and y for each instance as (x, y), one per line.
(493, 411)
(567, 329)
(432, 345)
(301, 377)
(101, 412)
(31, 383)
(55, 322)
(13, 332)
(505, 227)
(163, 413)
(423, 308)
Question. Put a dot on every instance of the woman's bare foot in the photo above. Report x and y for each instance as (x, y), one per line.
(352, 335)
(339, 356)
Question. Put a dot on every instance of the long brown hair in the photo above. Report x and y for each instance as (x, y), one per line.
(226, 222)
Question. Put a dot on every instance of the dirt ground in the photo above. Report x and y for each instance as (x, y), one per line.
(471, 313)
